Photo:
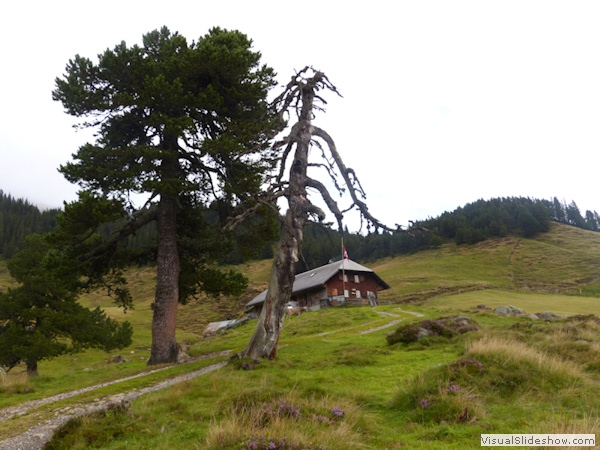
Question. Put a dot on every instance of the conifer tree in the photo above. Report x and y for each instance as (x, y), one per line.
(185, 125)
(41, 318)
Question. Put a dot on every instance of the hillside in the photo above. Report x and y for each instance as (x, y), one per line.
(565, 260)
(337, 383)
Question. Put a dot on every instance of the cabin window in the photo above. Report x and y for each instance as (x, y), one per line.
(345, 278)
(346, 293)
(357, 294)
(334, 292)
(356, 279)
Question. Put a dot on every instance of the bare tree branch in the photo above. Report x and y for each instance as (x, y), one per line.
(352, 182)
(329, 201)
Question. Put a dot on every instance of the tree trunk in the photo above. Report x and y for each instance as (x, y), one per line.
(270, 323)
(164, 347)
(32, 368)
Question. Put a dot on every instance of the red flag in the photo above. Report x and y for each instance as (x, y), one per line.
(345, 253)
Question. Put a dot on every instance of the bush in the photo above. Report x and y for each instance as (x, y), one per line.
(445, 327)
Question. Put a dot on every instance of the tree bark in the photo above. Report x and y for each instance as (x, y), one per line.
(164, 346)
(263, 343)
(32, 368)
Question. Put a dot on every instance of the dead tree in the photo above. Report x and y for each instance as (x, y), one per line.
(301, 98)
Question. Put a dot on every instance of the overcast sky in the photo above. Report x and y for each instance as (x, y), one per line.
(444, 102)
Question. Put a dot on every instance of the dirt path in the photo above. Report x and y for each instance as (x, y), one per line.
(35, 438)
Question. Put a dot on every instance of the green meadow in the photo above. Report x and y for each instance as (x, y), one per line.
(336, 384)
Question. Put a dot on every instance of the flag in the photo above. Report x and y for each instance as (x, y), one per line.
(345, 253)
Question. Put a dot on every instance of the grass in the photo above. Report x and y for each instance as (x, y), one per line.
(508, 380)
(333, 387)
(531, 302)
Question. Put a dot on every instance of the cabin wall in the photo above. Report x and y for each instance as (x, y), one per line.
(313, 300)
(357, 291)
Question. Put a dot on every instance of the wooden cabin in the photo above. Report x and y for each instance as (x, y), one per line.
(337, 283)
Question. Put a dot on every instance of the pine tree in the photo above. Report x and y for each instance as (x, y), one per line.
(42, 319)
(184, 124)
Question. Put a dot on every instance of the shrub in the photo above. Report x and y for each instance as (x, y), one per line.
(445, 327)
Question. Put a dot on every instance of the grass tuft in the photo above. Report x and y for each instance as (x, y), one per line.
(290, 422)
(15, 383)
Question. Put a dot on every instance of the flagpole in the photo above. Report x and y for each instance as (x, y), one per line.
(343, 271)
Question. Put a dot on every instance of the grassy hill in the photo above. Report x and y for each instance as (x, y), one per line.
(337, 384)
(565, 260)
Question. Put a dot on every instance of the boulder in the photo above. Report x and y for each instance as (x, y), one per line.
(502, 311)
(514, 311)
(509, 311)
(547, 315)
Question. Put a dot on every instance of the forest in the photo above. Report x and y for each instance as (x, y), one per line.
(469, 224)
(18, 219)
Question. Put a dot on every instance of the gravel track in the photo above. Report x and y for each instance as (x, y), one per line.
(35, 438)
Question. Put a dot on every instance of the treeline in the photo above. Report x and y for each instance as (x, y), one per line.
(571, 215)
(468, 224)
(18, 219)
(497, 217)
(472, 223)
(500, 217)
(320, 245)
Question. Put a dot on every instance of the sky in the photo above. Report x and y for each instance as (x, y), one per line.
(443, 102)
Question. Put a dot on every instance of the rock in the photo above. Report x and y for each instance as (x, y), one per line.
(459, 324)
(546, 315)
(183, 357)
(514, 311)
(423, 332)
(509, 311)
(533, 317)
(502, 311)
(482, 306)
(118, 359)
